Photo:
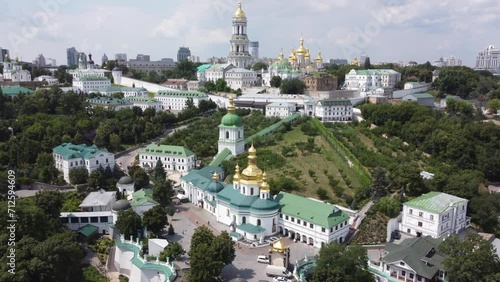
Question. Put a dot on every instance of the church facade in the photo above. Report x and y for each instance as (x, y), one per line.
(247, 207)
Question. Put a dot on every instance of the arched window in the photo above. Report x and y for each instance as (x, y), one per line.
(243, 220)
(239, 134)
(227, 134)
(251, 191)
(258, 222)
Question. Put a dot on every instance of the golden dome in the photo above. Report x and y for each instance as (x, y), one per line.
(307, 56)
(280, 57)
(215, 177)
(355, 62)
(236, 176)
(239, 13)
(301, 50)
(17, 59)
(231, 108)
(6, 56)
(319, 58)
(309, 67)
(264, 186)
(251, 172)
(292, 57)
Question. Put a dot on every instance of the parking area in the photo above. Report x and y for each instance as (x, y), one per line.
(245, 265)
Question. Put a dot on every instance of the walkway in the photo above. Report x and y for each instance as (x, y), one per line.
(362, 215)
(92, 259)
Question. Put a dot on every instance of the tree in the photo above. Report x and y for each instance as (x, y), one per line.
(140, 178)
(174, 251)
(337, 263)
(163, 192)
(50, 202)
(388, 206)
(275, 81)
(473, 259)
(493, 105)
(221, 85)
(159, 171)
(78, 175)
(485, 211)
(292, 86)
(96, 179)
(259, 66)
(209, 254)
(129, 223)
(379, 184)
(45, 168)
(115, 142)
(459, 81)
(155, 219)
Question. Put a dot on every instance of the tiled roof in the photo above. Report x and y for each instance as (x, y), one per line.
(421, 96)
(435, 202)
(202, 68)
(93, 78)
(179, 93)
(141, 99)
(88, 230)
(71, 151)
(335, 102)
(421, 254)
(14, 90)
(115, 88)
(108, 101)
(376, 72)
(166, 150)
(278, 104)
(319, 213)
(143, 196)
(250, 228)
(99, 198)
(202, 178)
(223, 155)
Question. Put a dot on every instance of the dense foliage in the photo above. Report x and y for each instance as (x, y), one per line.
(184, 69)
(155, 219)
(292, 86)
(467, 83)
(129, 223)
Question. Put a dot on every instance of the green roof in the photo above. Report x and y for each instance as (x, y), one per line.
(421, 254)
(71, 151)
(231, 120)
(319, 213)
(335, 102)
(202, 68)
(375, 72)
(235, 198)
(250, 228)
(435, 202)
(88, 230)
(169, 276)
(223, 155)
(144, 99)
(143, 196)
(421, 96)
(93, 77)
(107, 101)
(169, 150)
(116, 89)
(265, 204)
(180, 93)
(202, 178)
(14, 90)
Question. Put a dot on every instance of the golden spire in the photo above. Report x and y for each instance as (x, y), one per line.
(236, 176)
(231, 108)
(308, 55)
(215, 177)
(319, 59)
(264, 186)
(280, 57)
(239, 13)
(251, 173)
(301, 50)
(17, 59)
(292, 57)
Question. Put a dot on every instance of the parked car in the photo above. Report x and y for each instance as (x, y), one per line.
(281, 279)
(396, 235)
(263, 259)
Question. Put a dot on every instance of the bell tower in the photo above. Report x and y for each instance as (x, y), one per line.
(239, 54)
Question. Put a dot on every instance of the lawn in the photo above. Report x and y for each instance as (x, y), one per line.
(91, 274)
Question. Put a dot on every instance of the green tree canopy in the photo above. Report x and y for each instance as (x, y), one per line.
(158, 172)
(163, 192)
(460, 81)
(275, 81)
(129, 223)
(140, 177)
(50, 202)
(471, 260)
(259, 66)
(155, 219)
(292, 86)
(338, 263)
(174, 251)
(78, 175)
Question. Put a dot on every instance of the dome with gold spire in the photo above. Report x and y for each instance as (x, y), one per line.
(292, 58)
(319, 59)
(266, 203)
(301, 51)
(307, 55)
(231, 118)
(215, 186)
(236, 176)
(251, 174)
(239, 13)
(264, 186)
(281, 56)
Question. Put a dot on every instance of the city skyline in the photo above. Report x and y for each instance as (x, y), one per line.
(386, 30)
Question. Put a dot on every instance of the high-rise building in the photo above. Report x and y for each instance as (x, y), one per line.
(253, 47)
(488, 59)
(104, 59)
(121, 58)
(239, 55)
(82, 59)
(142, 57)
(453, 61)
(72, 56)
(3, 53)
(183, 54)
(40, 61)
(194, 59)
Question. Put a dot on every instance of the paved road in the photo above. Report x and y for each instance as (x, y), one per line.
(245, 265)
(126, 159)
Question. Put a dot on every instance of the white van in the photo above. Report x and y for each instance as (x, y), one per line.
(277, 271)
(263, 259)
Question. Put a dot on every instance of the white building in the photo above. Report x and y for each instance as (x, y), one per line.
(280, 109)
(424, 99)
(125, 185)
(77, 220)
(127, 91)
(332, 110)
(175, 100)
(453, 61)
(231, 133)
(98, 201)
(239, 54)
(239, 78)
(90, 83)
(217, 71)
(84, 69)
(488, 59)
(145, 103)
(110, 103)
(435, 214)
(13, 71)
(200, 72)
(367, 80)
(179, 84)
(49, 79)
(68, 156)
(142, 200)
(174, 158)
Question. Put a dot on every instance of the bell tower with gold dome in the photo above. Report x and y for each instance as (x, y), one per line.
(231, 131)
(239, 54)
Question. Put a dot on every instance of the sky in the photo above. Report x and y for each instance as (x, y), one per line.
(385, 30)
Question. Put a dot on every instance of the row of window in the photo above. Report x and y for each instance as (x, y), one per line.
(304, 223)
(90, 219)
(165, 159)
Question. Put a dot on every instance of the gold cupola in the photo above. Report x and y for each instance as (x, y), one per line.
(308, 55)
(215, 177)
(264, 186)
(319, 59)
(292, 58)
(236, 176)
(251, 174)
(280, 57)
(301, 51)
(231, 108)
(239, 13)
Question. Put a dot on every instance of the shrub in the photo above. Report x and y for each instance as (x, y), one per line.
(322, 194)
